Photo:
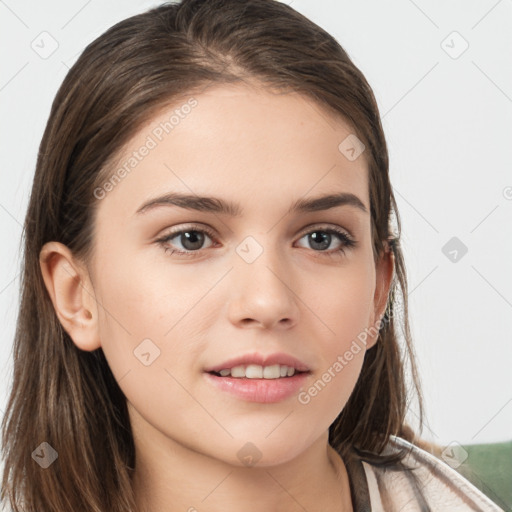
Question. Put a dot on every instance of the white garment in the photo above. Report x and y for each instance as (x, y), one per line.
(421, 483)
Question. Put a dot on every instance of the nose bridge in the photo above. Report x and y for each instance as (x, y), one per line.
(261, 280)
(260, 255)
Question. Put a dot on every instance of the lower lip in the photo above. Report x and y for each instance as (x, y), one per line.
(259, 390)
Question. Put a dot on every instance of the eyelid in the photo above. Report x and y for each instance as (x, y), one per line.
(325, 225)
(188, 227)
(209, 231)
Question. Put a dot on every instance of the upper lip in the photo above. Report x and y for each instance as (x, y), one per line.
(263, 360)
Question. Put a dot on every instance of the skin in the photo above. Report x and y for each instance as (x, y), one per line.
(264, 151)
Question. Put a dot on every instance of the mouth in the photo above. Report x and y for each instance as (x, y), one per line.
(254, 371)
(253, 383)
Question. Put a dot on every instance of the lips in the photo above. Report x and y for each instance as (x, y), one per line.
(262, 360)
(258, 390)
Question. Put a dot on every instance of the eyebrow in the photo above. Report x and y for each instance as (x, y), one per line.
(221, 206)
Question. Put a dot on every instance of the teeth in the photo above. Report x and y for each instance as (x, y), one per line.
(270, 372)
(238, 371)
(255, 371)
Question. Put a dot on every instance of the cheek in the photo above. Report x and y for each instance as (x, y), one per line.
(343, 312)
(144, 328)
(149, 313)
(341, 304)
(326, 395)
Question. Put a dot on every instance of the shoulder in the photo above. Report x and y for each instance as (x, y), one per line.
(421, 482)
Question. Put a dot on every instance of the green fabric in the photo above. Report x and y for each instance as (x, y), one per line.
(489, 467)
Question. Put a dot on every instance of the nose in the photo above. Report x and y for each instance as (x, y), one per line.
(262, 290)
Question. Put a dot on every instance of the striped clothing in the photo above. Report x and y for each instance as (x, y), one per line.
(421, 483)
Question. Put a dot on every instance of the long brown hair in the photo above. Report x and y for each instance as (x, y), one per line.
(69, 398)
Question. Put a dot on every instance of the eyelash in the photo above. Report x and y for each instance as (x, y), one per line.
(347, 241)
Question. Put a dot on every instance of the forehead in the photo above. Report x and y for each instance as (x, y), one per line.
(239, 142)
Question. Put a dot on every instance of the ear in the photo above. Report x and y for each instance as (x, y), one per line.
(70, 289)
(384, 276)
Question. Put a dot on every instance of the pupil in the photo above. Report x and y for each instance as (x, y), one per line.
(196, 239)
(326, 239)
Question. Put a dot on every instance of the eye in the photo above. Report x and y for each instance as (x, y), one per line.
(192, 239)
(321, 238)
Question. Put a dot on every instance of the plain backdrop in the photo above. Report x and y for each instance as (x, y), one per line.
(442, 76)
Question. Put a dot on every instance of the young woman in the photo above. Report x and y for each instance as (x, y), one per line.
(211, 282)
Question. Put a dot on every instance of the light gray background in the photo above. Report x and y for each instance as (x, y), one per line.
(447, 114)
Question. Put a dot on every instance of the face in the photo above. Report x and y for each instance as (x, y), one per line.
(180, 290)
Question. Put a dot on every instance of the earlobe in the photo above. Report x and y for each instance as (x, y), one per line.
(72, 295)
(384, 276)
